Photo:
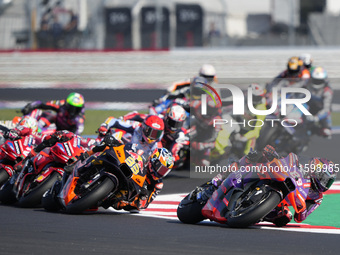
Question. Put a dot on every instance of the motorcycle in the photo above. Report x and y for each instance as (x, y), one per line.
(11, 153)
(40, 173)
(246, 196)
(105, 178)
(45, 127)
(290, 133)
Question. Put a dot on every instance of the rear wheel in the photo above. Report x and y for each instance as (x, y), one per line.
(250, 207)
(34, 196)
(91, 199)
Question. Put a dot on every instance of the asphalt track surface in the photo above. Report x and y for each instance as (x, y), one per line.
(34, 231)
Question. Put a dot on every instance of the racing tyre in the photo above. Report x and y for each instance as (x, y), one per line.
(34, 196)
(189, 211)
(91, 199)
(251, 206)
(4, 176)
(49, 200)
(267, 136)
(7, 195)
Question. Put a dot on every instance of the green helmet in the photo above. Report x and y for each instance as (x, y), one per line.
(75, 103)
(75, 99)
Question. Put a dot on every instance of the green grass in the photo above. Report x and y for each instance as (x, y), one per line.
(93, 117)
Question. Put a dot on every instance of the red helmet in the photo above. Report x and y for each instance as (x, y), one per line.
(153, 128)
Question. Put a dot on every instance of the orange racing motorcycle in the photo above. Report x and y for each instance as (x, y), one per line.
(105, 178)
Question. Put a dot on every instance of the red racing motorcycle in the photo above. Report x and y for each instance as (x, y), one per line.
(40, 173)
(11, 153)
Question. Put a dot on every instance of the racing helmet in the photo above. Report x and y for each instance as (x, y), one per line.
(208, 72)
(318, 78)
(323, 173)
(258, 93)
(74, 103)
(28, 122)
(197, 85)
(307, 60)
(294, 65)
(161, 162)
(152, 128)
(174, 118)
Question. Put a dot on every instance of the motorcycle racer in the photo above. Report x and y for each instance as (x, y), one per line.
(160, 164)
(26, 126)
(320, 181)
(307, 60)
(206, 71)
(148, 133)
(295, 69)
(320, 103)
(66, 114)
(175, 138)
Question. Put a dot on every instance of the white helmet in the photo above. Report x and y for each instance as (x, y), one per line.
(307, 60)
(174, 118)
(318, 77)
(208, 71)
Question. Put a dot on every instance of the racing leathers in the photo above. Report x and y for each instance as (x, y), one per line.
(133, 134)
(58, 113)
(320, 108)
(281, 215)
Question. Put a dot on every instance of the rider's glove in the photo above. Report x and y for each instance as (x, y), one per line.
(83, 156)
(102, 130)
(270, 153)
(27, 109)
(11, 134)
(110, 141)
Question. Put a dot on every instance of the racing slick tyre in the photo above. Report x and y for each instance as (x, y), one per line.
(49, 200)
(91, 199)
(251, 206)
(4, 176)
(7, 195)
(33, 197)
(189, 211)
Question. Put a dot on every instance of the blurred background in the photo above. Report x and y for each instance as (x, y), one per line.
(163, 24)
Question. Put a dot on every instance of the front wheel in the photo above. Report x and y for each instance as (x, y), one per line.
(189, 211)
(250, 207)
(33, 197)
(4, 176)
(91, 199)
(7, 195)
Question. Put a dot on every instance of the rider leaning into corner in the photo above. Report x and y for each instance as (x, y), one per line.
(321, 181)
(296, 74)
(66, 114)
(148, 134)
(175, 138)
(320, 103)
(180, 91)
